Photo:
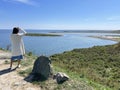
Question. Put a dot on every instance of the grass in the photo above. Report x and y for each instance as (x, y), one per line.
(96, 68)
(80, 81)
(7, 62)
(1, 48)
(25, 72)
(75, 83)
(51, 84)
(100, 65)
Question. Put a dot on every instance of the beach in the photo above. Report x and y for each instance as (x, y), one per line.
(108, 37)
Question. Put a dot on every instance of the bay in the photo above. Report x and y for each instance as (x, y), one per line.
(52, 45)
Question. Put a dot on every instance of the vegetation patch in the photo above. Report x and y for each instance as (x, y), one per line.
(25, 72)
(41, 34)
(89, 68)
(75, 83)
(99, 64)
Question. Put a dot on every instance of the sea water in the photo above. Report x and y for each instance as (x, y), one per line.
(46, 45)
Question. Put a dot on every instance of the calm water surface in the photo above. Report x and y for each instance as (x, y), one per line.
(52, 45)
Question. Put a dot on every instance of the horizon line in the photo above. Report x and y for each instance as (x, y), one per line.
(60, 29)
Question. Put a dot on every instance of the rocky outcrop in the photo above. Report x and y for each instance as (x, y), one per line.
(42, 67)
(61, 77)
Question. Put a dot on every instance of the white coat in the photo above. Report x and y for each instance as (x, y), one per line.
(17, 44)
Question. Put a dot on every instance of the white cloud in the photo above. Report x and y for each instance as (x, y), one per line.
(29, 2)
(25, 1)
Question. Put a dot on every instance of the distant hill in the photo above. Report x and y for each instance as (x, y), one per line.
(88, 31)
(116, 31)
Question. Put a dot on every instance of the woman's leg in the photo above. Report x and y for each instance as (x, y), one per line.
(11, 64)
(19, 61)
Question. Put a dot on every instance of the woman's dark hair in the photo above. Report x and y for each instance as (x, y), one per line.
(15, 30)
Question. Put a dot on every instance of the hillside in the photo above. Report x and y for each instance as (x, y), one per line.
(96, 68)
(15, 79)
(99, 64)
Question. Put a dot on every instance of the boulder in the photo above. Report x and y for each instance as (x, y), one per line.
(42, 67)
(61, 77)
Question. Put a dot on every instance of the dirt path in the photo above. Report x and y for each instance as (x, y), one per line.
(10, 79)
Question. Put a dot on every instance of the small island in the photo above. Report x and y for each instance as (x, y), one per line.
(42, 34)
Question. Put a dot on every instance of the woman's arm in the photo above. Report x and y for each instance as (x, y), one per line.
(22, 32)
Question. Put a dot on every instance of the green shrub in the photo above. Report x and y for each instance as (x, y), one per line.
(100, 64)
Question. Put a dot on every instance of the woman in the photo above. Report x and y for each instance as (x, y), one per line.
(17, 45)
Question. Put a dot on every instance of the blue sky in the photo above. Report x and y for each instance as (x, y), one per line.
(60, 14)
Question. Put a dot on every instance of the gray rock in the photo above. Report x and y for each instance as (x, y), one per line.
(61, 77)
(42, 67)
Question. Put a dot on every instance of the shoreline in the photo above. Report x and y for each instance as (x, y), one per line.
(108, 37)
